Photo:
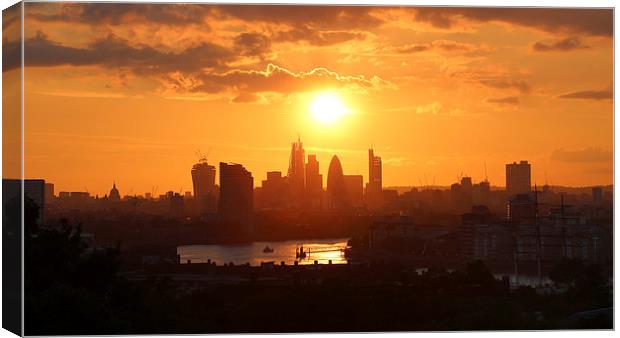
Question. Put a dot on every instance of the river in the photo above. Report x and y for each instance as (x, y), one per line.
(321, 250)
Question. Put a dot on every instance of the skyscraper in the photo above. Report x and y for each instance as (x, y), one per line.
(296, 173)
(374, 195)
(374, 170)
(235, 204)
(49, 193)
(354, 185)
(273, 193)
(203, 180)
(518, 178)
(336, 189)
(314, 182)
(467, 192)
(482, 193)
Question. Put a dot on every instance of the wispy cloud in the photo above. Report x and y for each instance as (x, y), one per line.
(589, 95)
(585, 155)
(563, 45)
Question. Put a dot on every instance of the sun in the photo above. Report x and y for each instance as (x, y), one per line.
(328, 108)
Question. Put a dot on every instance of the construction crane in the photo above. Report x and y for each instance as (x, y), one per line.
(203, 157)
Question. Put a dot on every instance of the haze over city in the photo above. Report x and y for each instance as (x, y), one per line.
(128, 95)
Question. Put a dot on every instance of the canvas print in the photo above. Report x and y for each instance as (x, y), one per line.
(234, 168)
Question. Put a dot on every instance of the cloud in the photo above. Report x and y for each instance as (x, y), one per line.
(113, 52)
(588, 155)
(120, 13)
(510, 100)
(252, 44)
(315, 37)
(276, 79)
(563, 45)
(431, 108)
(589, 21)
(521, 86)
(448, 46)
(399, 161)
(315, 25)
(203, 68)
(589, 95)
(316, 17)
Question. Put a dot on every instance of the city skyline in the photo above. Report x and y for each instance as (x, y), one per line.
(438, 92)
(200, 182)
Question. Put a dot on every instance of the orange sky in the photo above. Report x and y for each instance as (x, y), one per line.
(129, 93)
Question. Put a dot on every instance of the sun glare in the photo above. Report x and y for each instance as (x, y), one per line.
(328, 108)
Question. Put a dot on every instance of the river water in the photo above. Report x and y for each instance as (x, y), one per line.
(321, 250)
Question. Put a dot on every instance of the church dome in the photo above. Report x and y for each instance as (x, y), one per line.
(114, 194)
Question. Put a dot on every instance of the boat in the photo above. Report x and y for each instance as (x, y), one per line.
(300, 253)
(268, 249)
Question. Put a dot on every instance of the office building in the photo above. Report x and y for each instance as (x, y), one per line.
(274, 191)
(35, 190)
(518, 178)
(176, 205)
(354, 186)
(314, 182)
(374, 195)
(374, 170)
(482, 193)
(467, 191)
(203, 181)
(236, 202)
(296, 174)
(522, 209)
(48, 193)
(336, 189)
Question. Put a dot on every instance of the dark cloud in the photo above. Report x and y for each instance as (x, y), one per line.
(252, 44)
(316, 25)
(521, 86)
(120, 13)
(589, 95)
(596, 22)
(246, 97)
(317, 17)
(410, 49)
(440, 45)
(510, 100)
(589, 155)
(316, 37)
(117, 53)
(563, 45)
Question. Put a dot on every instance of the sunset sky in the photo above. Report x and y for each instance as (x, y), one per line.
(130, 92)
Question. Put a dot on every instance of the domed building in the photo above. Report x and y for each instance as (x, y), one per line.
(336, 189)
(114, 194)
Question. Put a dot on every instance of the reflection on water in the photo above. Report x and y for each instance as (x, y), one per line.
(320, 250)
